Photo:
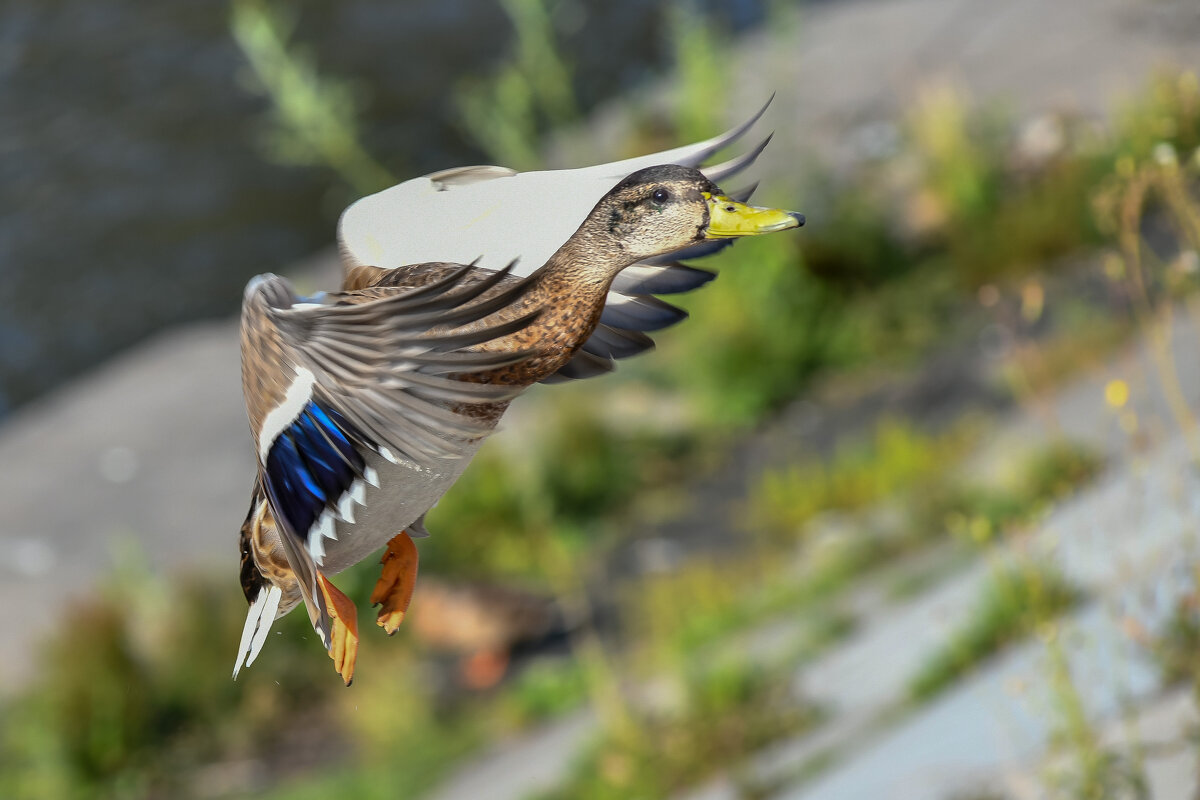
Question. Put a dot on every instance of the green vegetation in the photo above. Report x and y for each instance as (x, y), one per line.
(908, 472)
(706, 601)
(898, 459)
(1150, 185)
(704, 80)
(722, 713)
(1177, 647)
(1017, 598)
(1166, 112)
(904, 245)
(508, 112)
(545, 690)
(1153, 187)
(978, 513)
(312, 117)
(572, 476)
(1082, 768)
(1014, 602)
(134, 695)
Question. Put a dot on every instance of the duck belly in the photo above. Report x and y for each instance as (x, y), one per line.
(406, 491)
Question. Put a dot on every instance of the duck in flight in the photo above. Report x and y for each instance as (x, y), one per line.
(367, 404)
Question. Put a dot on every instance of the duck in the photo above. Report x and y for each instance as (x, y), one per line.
(339, 389)
(366, 404)
(494, 216)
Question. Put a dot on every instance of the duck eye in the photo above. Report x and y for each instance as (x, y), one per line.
(660, 196)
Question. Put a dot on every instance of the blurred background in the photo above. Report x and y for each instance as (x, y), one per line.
(908, 508)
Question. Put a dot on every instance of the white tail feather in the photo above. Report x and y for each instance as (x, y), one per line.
(258, 624)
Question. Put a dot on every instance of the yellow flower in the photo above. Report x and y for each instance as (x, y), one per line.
(1116, 393)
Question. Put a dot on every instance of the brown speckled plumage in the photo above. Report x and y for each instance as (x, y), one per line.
(571, 288)
(651, 213)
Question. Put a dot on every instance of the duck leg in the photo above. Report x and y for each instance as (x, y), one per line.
(394, 588)
(343, 647)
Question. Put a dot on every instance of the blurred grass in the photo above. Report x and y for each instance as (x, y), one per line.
(1010, 606)
(678, 614)
(1149, 191)
(715, 715)
(898, 458)
(571, 476)
(1176, 649)
(1083, 766)
(529, 93)
(979, 513)
(313, 117)
(134, 694)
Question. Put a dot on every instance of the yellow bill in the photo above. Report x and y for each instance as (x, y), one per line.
(728, 218)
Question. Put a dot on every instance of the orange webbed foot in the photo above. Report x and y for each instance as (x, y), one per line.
(343, 647)
(394, 589)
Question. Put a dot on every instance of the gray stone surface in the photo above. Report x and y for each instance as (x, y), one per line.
(151, 448)
(519, 768)
(1127, 541)
(839, 69)
(150, 452)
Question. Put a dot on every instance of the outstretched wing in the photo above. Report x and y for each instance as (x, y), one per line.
(329, 382)
(497, 215)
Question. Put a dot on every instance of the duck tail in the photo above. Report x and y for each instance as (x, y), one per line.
(258, 624)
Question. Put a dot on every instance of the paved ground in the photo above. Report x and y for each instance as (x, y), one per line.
(151, 449)
(841, 68)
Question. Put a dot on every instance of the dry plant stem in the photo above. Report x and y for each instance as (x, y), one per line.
(1076, 731)
(1181, 204)
(1185, 209)
(1078, 738)
(1156, 321)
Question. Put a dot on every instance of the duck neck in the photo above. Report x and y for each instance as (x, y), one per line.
(582, 268)
(569, 290)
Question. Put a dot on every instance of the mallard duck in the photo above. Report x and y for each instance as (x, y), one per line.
(495, 215)
(363, 419)
(341, 391)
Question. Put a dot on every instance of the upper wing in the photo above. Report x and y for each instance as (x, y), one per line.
(497, 215)
(494, 216)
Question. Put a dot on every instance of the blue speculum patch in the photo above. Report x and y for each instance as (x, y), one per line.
(310, 465)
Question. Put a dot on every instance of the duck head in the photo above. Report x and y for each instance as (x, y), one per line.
(661, 209)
